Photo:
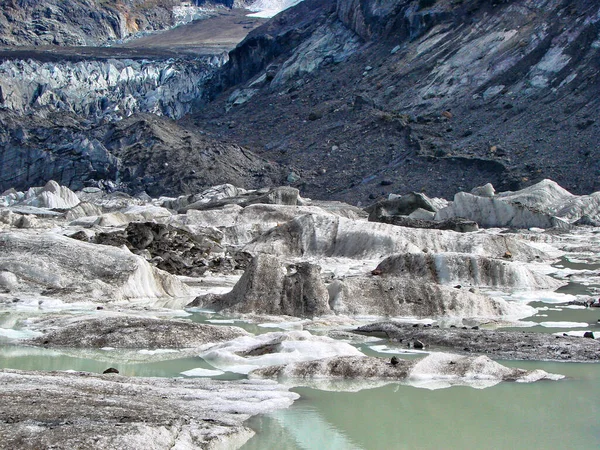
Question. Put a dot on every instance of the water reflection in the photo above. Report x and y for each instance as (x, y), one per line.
(548, 415)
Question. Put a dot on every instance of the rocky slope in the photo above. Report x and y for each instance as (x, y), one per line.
(369, 98)
(377, 97)
(140, 153)
(80, 22)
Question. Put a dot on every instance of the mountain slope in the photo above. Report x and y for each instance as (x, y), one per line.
(365, 97)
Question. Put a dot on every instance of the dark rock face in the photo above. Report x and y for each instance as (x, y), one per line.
(495, 344)
(144, 153)
(265, 288)
(171, 249)
(443, 98)
(79, 22)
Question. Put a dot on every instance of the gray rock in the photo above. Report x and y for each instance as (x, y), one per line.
(134, 332)
(437, 367)
(510, 345)
(78, 410)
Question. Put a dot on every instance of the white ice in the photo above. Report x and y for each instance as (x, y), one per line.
(280, 348)
(200, 372)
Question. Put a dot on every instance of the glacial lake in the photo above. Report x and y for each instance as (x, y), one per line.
(543, 415)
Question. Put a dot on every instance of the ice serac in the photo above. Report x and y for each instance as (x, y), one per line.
(466, 269)
(270, 287)
(313, 235)
(82, 410)
(542, 205)
(111, 88)
(437, 370)
(404, 296)
(493, 212)
(57, 266)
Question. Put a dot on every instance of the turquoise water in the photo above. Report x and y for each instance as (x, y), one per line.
(545, 415)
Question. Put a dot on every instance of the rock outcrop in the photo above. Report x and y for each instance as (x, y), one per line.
(80, 22)
(392, 96)
(140, 153)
